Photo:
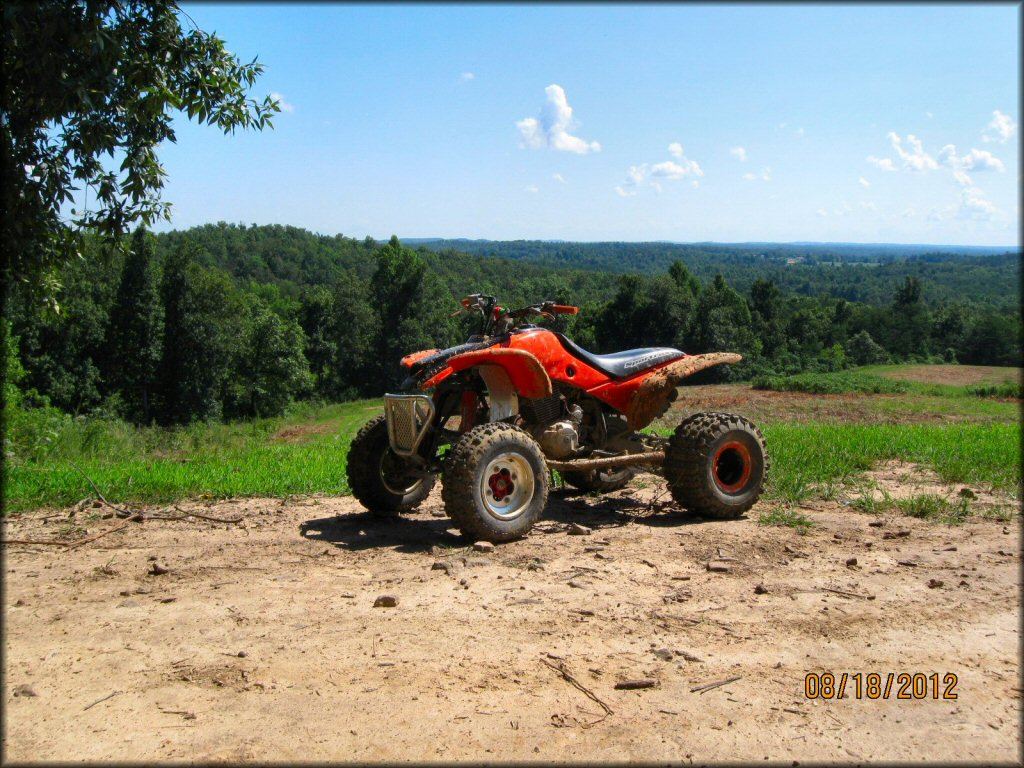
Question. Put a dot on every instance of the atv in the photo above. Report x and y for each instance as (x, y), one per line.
(496, 415)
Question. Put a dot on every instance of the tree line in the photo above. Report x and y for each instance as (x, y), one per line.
(231, 322)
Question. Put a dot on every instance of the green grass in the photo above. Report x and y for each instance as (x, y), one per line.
(840, 382)
(807, 457)
(787, 517)
(152, 465)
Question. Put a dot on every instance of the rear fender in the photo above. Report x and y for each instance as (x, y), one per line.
(409, 359)
(653, 396)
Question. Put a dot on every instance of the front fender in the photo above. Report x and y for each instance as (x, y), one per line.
(528, 377)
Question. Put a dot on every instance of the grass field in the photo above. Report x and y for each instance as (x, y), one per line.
(939, 425)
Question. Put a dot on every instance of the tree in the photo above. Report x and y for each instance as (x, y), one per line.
(723, 324)
(269, 368)
(85, 80)
(202, 326)
(413, 308)
(135, 338)
(863, 350)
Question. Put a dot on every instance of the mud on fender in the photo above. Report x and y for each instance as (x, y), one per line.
(655, 394)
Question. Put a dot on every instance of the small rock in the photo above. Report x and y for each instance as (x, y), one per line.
(152, 557)
(575, 529)
(385, 601)
(851, 562)
(876, 523)
(690, 657)
(760, 589)
(935, 583)
(242, 654)
(25, 690)
(19, 603)
(168, 599)
(593, 549)
(156, 569)
(895, 534)
(442, 566)
(97, 504)
(907, 563)
(716, 566)
(663, 653)
(483, 546)
(632, 685)
(577, 585)
(475, 562)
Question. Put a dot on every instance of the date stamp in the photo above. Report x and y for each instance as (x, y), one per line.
(874, 685)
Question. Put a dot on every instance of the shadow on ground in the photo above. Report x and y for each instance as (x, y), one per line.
(366, 530)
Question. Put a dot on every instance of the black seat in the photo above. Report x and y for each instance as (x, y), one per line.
(622, 364)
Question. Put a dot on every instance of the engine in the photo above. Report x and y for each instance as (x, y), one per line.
(553, 424)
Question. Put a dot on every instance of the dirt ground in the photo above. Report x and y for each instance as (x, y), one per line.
(261, 641)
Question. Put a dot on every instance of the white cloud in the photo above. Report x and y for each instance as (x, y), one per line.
(799, 131)
(284, 105)
(974, 205)
(669, 170)
(695, 184)
(929, 115)
(864, 182)
(552, 129)
(740, 153)
(1001, 129)
(916, 159)
(467, 76)
(885, 163)
(672, 170)
(765, 175)
(532, 188)
(559, 178)
(975, 160)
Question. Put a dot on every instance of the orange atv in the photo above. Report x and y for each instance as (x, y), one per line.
(518, 400)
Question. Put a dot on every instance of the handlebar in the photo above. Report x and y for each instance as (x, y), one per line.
(497, 318)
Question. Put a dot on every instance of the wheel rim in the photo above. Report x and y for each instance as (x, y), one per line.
(393, 479)
(612, 475)
(506, 486)
(731, 466)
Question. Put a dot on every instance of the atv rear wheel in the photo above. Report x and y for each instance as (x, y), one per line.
(380, 479)
(495, 483)
(600, 481)
(716, 464)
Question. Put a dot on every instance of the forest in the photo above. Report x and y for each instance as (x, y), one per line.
(228, 321)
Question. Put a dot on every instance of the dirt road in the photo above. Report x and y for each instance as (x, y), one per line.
(261, 640)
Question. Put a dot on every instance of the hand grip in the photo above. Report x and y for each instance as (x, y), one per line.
(564, 309)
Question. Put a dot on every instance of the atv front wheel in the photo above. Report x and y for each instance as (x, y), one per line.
(380, 479)
(495, 483)
(716, 464)
(600, 481)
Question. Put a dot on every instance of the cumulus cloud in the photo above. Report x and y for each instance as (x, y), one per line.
(974, 205)
(559, 178)
(552, 128)
(532, 188)
(284, 105)
(467, 76)
(740, 153)
(864, 182)
(669, 170)
(975, 160)
(1001, 129)
(885, 163)
(916, 159)
(764, 175)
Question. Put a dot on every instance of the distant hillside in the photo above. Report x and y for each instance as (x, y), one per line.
(852, 271)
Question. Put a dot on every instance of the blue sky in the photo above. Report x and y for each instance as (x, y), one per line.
(606, 122)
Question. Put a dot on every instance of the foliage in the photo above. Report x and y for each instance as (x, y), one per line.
(94, 86)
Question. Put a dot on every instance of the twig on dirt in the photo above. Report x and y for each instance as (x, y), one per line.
(717, 684)
(99, 701)
(567, 676)
(99, 494)
(847, 594)
(135, 518)
(35, 541)
(185, 514)
(184, 713)
(633, 685)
